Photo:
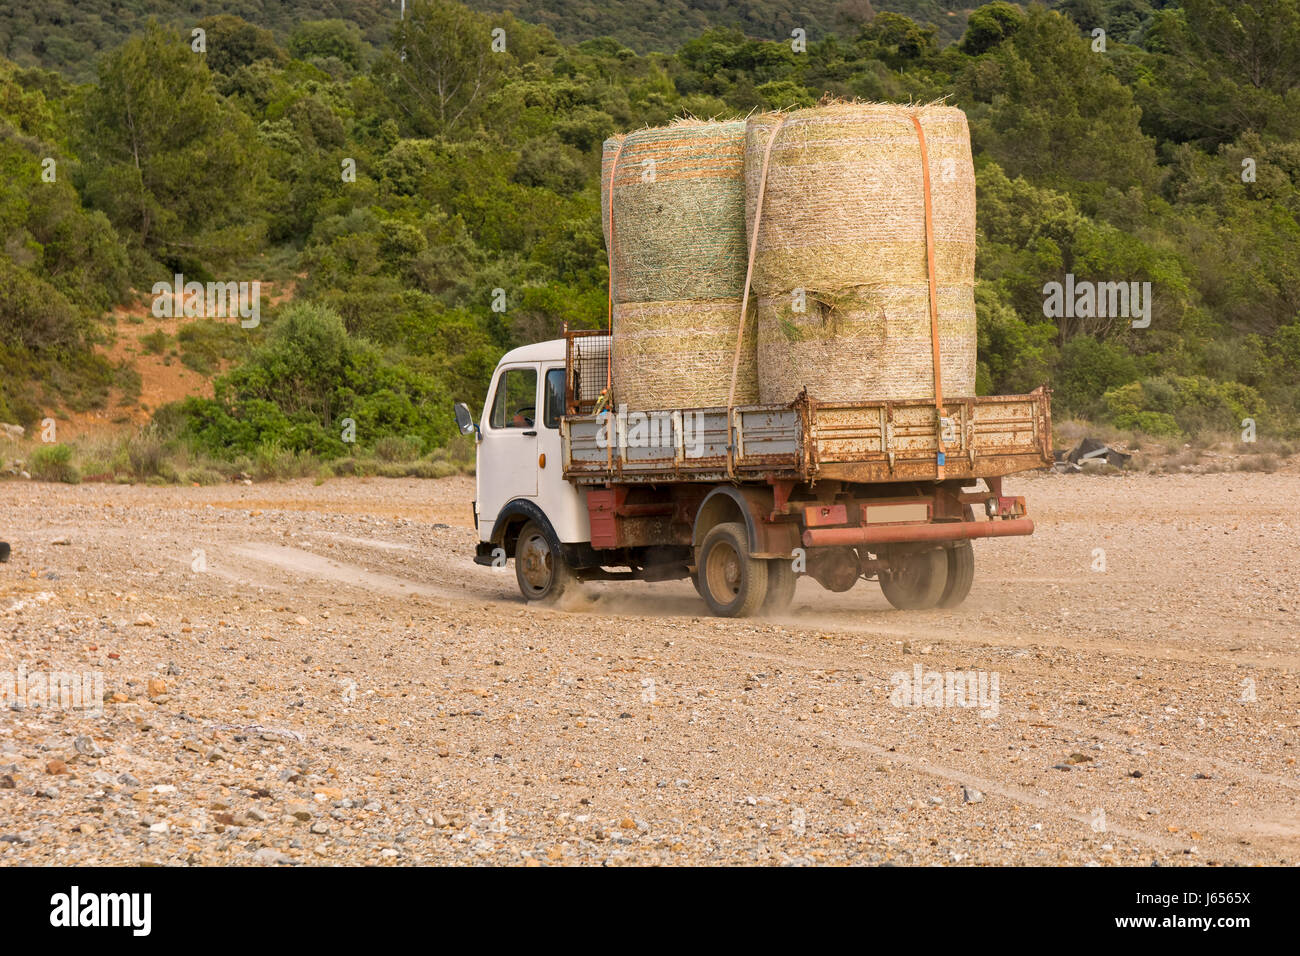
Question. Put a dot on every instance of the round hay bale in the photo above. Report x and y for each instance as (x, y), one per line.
(844, 204)
(679, 354)
(679, 206)
(843, 225)
(678, 265)
(869, 345)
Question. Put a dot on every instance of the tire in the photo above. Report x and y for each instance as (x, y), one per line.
(731, 582)
(920, 582)
(961, 574)
(540, 568)
(780, 586)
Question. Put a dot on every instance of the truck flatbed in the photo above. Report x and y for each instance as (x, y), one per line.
(810, 441)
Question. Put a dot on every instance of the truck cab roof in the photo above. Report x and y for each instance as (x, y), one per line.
(552, 351)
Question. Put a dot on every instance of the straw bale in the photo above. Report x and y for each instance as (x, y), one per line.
(679, 354)
(844, 204)
(843, 225)
(869, 345)
(679, 257)
(679, 201)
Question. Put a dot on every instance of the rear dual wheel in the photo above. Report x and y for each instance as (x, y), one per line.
(731, 582)
(916, 580)
(940, 577)
(780, 585)
(961, 573)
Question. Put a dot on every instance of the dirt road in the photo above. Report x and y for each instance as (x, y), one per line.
(320, 674)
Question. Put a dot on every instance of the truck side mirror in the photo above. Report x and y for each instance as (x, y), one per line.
(464, 420)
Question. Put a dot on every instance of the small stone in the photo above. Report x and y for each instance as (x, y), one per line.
(87, 747)
(6, 782)
(270, 857)
(157, 687)
(145, 620)
(56, 767)
(971, 795)
(319, 828)
(301, 621)
(300, 811)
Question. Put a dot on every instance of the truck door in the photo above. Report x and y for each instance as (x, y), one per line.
(507, 455)
(564, 504)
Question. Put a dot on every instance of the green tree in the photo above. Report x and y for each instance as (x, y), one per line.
(233, 42)
(1043, 104)
(166, 158)
(328, 39)
(442, 68)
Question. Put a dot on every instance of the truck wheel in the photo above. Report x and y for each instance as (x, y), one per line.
(780, 586)
(541, 570)
(731, 582)
(961, 574)
(919, 583)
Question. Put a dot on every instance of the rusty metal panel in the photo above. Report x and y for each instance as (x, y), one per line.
(809, 440)
(601, 505)
(896, 512)
(815, 516)
(769, 434)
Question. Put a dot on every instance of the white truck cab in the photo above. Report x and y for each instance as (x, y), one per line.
(524, 508)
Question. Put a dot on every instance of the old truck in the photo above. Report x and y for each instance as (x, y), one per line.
(742, 500)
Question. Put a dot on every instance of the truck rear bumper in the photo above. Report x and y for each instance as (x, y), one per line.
(904, 533)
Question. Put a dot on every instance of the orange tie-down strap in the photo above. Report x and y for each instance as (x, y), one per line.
(744, 296)
(749, 269)
(934, 299)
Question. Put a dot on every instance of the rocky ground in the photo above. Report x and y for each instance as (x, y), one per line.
(300, 674)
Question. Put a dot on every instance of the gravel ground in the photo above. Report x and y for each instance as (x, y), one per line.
(300, 674)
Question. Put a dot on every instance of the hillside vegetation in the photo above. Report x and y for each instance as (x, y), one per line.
(410, 177)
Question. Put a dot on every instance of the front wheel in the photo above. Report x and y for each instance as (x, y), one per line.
(540, 568)
(916, 580)
(731, 582)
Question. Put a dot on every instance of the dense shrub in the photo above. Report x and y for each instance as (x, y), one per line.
(312, 388)
(53, 463)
